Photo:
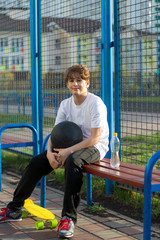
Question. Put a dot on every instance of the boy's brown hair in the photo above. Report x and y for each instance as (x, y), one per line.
(81, 69)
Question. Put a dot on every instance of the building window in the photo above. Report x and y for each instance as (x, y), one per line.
(84, 44)
(58, 44)
(58, 79)
(17, 63)
(84, 59)
(58, 60)
(4, 44)
(4, 63)
(17, 45)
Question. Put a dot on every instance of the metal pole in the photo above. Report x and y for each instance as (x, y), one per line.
(35, 26)
(107, 79)
(117, 61)
(36, 76)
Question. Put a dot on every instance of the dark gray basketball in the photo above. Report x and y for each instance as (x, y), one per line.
(66, 134)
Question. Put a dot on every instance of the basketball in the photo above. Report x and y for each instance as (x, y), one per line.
(66, 134)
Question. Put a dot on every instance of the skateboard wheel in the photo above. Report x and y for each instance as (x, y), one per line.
(24, 214)
(53, 223)
(39, 225)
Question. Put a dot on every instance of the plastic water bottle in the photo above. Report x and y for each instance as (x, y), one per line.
(115, 145)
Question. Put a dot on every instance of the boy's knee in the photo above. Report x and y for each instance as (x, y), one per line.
(72, 161)
(69, 161)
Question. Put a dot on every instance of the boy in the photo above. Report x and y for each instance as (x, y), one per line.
(89, 112)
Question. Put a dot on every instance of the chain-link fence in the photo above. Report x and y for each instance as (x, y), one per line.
(139, 78)
(15, 66)
(72, 36)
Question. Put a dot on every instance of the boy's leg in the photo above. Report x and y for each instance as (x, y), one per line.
(37, 167)
(73, 179)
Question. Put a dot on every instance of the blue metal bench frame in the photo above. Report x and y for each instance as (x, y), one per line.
(33, 143)
(149, 188)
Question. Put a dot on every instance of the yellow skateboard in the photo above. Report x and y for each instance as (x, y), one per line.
(40, 212)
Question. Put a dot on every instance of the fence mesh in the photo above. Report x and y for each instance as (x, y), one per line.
(71, 34)
(139, 26)
(15, 66)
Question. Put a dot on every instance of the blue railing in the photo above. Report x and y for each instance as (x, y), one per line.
(33, 143)
(149, 188)
(13, 97)
(26, 96)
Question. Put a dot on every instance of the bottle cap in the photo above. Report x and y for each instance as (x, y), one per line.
(115, 134)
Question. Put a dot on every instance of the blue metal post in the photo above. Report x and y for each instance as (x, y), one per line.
(43, 179)
(34, 55)
(89, 189)
(37, 107)
(35, 25)
(107, 78)
(117, 61)
(40, 98)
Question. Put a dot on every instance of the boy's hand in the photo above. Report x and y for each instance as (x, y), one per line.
(53, 159)
(62, 155)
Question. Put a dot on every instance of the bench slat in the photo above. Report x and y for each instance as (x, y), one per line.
(115, 175)
(123, 169)
(131, 166)
(7, 140)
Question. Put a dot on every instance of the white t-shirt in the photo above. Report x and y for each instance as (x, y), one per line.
(92, 113)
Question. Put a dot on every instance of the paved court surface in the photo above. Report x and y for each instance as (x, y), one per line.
(89, 227)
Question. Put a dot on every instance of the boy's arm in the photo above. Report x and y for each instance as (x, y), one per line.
(52, 156)
(88, 142)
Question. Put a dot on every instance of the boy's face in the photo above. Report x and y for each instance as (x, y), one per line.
(77, 85)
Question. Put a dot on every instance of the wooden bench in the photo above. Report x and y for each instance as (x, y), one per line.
(7, 142)
(144, 178)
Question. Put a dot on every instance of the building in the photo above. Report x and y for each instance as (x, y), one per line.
(65, 41)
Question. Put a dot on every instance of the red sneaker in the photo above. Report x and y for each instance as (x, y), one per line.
(65, 228)
(7, 215)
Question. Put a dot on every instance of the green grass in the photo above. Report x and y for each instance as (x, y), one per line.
(135, 200)
(138, 149)
(57, 175)
(142, 99)
(7, 118)
(15, 161)
(95, 208)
